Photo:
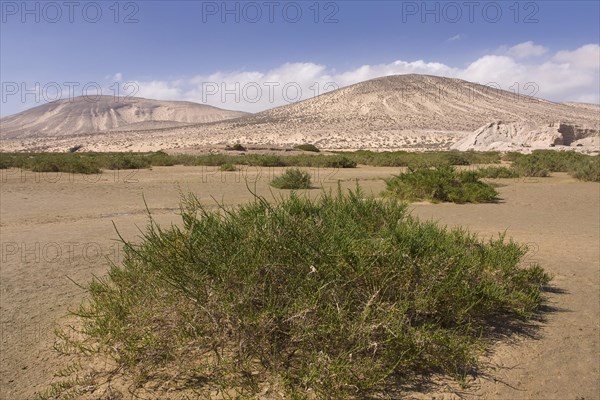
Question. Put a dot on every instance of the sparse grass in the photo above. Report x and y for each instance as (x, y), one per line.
(307, 147)
(227, 167)
(127, 161)
(531, 165)
(541, 163)
(548, 160)
(440, 184)
(428, 158)
(292, 178)
(160, 158)
(68, 163)
(336, 297)
(339, 160)
(497, 172)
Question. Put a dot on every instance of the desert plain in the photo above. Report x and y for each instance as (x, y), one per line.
(58, 231)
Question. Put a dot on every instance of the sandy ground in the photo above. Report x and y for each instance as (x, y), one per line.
(57, 230)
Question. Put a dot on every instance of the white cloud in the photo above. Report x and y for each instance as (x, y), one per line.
(162, 90)
(118, 77)
(586, 57)
(568, 75)
(526, 49)
(455, 38)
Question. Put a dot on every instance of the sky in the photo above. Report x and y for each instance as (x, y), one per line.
(254, 55)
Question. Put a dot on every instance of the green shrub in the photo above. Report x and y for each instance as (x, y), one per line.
(541, 163)
(454, 157)
(440, 184)
(512, 156)
(339, 162)
(292, 178)
(531, 165)
(126, 161)
(587, 169)
(67, 163)
(336, 297)
(228, 167)
(265, 160)
(307, 147)
(416, 159)
(5, 162)
(160, 158)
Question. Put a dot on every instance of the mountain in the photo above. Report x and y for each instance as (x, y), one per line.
(402, 111)
(399, 110)
(394, 112)
(86, 115)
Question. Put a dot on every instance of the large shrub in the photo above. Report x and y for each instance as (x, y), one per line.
(440, 184)
(292, 178)
(587, 169)
(329, 298)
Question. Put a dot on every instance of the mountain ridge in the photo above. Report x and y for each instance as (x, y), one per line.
(100, 113)
(393, 112)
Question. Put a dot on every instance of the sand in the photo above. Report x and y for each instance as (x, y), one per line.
(57, 229)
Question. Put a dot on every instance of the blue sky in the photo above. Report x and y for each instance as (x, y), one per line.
(171, 50)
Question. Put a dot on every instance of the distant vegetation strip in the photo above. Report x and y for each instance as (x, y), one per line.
(539, 163)
(89, 163)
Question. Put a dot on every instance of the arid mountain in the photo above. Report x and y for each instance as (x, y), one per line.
(394, 112)
(88, 115)
(418, 102)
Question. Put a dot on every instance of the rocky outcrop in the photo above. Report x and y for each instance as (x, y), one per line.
(520, 136)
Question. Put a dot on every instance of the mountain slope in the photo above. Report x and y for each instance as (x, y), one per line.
(83, 115)
(394, 112)
(421, 102)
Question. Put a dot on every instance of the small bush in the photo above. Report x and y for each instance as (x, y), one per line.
(440, 184)
(227, 167)
(586, 169)
(531, 165)
(339, 162)
(5, 162)
(68, 163)
(265, 160)
(416, 159)
(541, 163)
(292, 178)
(307, 147)
(334, 298)
(127, 161)
(160, 158)
(454, 157)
